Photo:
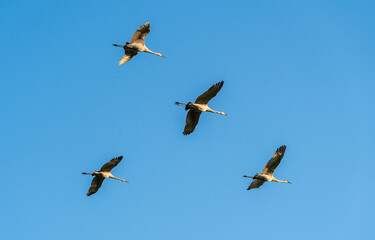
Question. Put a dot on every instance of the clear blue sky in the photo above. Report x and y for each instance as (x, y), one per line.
(299, 73)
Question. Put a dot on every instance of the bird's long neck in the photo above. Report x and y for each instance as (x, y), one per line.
(277, 180)
(149, 51)
(213, 111)
(120, 179)
(222, 113)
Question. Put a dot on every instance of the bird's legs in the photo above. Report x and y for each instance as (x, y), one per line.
(120, 179)
(247, 176)
(116, 45)
(92, 174)
(180, 104)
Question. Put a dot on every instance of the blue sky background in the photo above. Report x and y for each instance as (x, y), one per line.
(299, 73)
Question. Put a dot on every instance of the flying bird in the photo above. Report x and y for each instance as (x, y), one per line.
(137, 44)
(267, 173)
(200, 105)
(105, 172)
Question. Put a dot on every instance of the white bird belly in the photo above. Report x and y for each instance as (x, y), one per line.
(106, 174)
(267, 178)
(199, 107)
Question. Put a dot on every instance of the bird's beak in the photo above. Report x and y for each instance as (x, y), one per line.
(289, 182)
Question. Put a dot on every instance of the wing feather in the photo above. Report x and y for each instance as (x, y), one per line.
(128, 55)
(257, 183)
(140, 35)
(274, 161)
(192, 119)
(111, 164)
(210, 93)
(96, 183)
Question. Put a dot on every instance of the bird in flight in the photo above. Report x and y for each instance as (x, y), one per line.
(200, 105)
(104, 172)
(267, 173)
(137, 44)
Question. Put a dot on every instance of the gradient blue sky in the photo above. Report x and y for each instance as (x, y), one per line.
(299, 73)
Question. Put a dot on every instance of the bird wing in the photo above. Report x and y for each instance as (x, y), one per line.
(95, 184)
(210, 93)
(140, 35)
(274, 161)
(192, 119)
(129, 54)
(111, 164)
(256, 184)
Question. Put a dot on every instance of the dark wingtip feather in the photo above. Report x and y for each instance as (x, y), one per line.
(120, 158)
(281, 149)
(220, 83)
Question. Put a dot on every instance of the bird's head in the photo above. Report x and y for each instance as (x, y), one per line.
(287, 181)
(160, 55)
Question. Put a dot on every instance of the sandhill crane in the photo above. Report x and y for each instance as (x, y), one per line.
(137, 44)
(105, 172)
(200, 106)
(267, 173)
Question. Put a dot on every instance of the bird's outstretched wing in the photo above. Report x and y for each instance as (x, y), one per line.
(210, 93)
(129, 54)
(95, 184)
(111, 164)
(274, 161)
(255, 184)
(140, 35)
(192, 119)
